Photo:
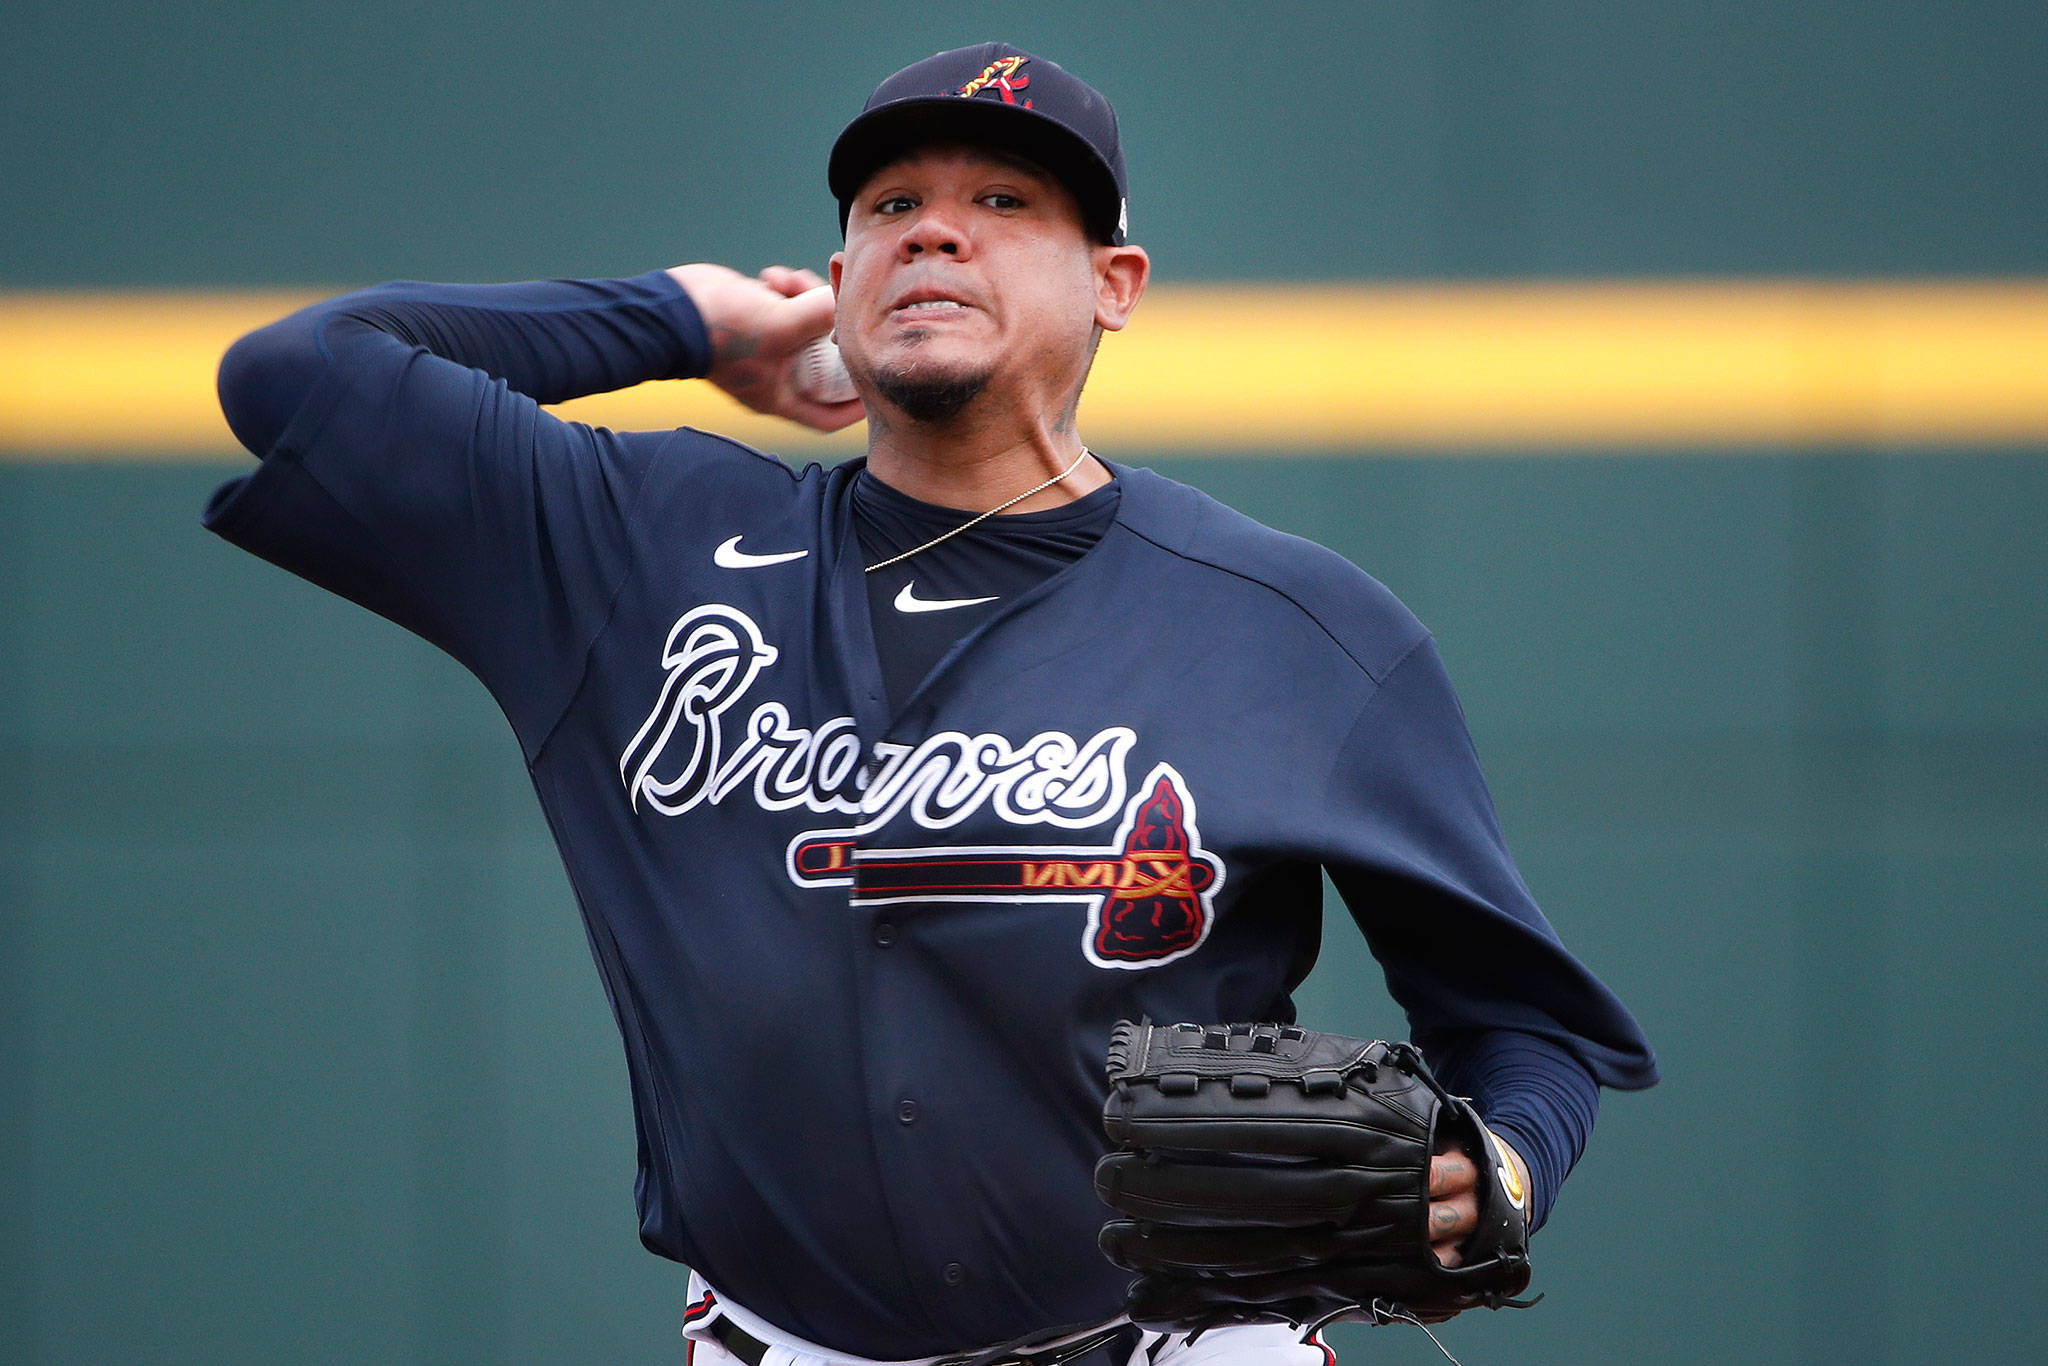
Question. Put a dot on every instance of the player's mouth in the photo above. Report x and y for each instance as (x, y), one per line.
(921, 307)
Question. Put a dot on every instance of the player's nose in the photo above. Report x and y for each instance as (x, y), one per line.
(935, 231)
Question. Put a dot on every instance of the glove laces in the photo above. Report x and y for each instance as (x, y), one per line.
(1389, 1311)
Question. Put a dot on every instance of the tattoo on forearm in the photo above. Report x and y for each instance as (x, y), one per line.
(730, 344)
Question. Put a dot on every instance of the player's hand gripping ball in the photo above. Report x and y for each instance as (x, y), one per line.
(821, 373)
(759, 328)
(1270, 1173)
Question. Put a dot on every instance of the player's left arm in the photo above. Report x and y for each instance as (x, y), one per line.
(1506, 1014)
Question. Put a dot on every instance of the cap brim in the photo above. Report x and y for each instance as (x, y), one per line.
(881, 135)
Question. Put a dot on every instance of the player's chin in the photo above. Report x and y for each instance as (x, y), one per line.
(931, 387)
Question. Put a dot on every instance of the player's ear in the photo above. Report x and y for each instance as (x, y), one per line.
(834, 269)
(1120, 276)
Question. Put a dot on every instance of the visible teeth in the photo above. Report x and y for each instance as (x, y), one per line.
(929, 304)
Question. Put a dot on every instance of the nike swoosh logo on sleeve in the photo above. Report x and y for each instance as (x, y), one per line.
(730, 556)
(907, 601)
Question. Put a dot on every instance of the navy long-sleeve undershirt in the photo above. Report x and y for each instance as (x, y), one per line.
(551, 340)
(1536, 1096)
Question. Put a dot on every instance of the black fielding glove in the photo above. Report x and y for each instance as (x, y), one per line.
(1268, 1173)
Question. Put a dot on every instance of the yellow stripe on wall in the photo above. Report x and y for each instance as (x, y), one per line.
(1247, 369)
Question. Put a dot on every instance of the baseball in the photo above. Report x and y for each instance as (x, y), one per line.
(821, 373)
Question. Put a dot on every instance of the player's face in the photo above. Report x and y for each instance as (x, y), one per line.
(967, 271)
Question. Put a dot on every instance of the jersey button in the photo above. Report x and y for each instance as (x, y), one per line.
(953, 1274)
(885, 933)
(906, 1112)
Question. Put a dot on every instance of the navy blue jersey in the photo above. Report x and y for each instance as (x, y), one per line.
(865, 953)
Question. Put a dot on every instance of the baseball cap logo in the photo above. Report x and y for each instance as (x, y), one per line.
(1000, 76)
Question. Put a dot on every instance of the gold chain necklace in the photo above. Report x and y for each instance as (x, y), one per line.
(979, 518)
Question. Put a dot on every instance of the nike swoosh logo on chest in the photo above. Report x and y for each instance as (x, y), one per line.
(907, 601)
(730, 556)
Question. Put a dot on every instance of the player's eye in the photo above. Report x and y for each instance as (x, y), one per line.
(895, 204)
(1002, 199)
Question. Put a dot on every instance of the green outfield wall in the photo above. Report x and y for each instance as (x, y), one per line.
(302, 1057)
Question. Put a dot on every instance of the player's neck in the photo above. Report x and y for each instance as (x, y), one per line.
(975, 468)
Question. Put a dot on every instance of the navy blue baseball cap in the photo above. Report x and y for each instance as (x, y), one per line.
(992, 95)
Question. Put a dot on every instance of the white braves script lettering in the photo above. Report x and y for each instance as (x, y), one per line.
(713, 655)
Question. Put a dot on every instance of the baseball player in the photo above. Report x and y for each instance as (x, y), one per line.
(886, 789)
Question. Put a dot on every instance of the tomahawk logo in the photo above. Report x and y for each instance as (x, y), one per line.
(1150, 895)
(1000, 76)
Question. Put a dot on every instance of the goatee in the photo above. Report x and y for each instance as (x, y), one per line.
(931, 398)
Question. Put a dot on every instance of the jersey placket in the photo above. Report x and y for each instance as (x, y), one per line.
(900, 1107)
(908, 1097)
